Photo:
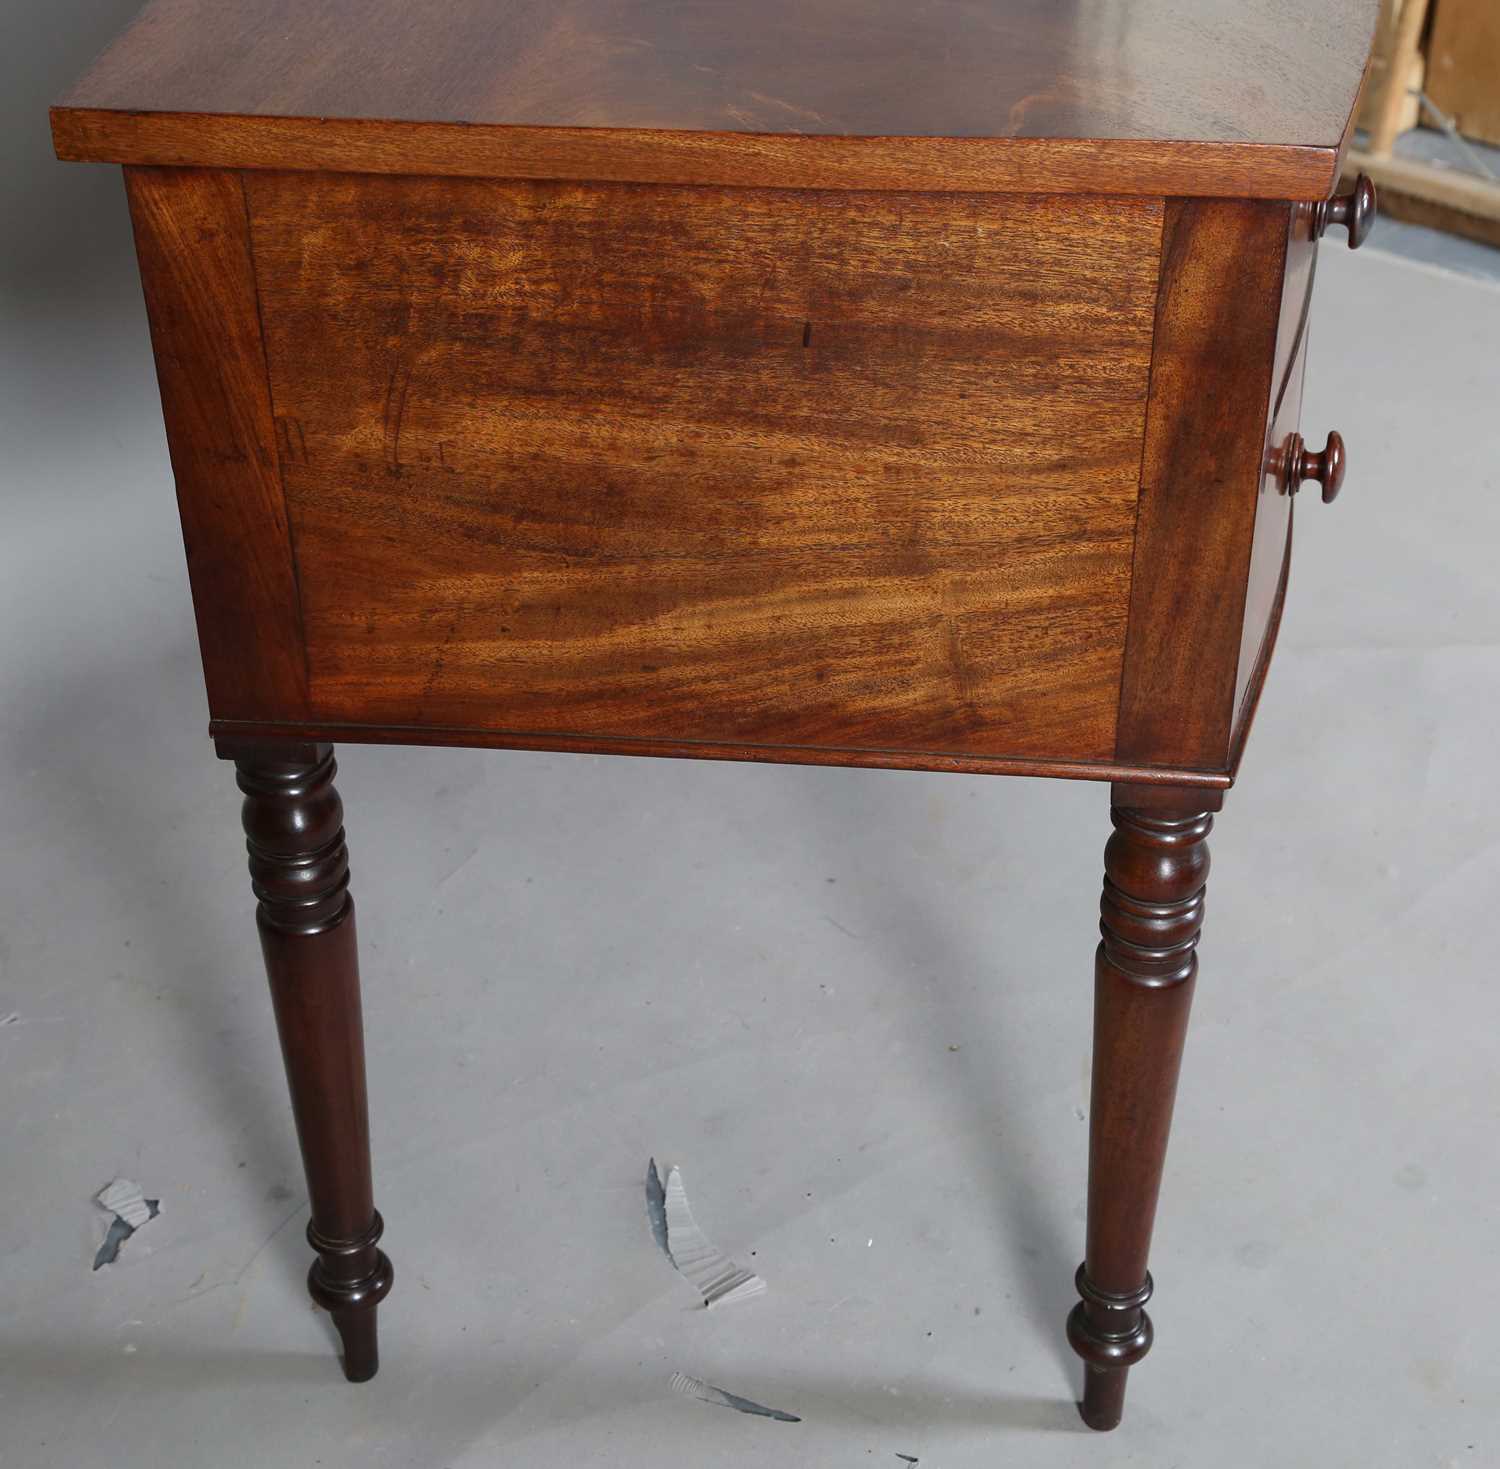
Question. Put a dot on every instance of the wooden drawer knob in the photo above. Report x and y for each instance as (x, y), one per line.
(1326, 467)
(1355, 211)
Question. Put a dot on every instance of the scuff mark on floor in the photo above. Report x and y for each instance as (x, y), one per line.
(129, 1209)
(692, 1387)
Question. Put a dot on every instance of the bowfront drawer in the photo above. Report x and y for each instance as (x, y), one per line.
(1271, 543)
(853, 471)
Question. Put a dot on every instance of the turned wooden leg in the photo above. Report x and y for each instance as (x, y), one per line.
(299, 869)
(1155, 865)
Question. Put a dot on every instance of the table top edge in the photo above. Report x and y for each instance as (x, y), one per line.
(1110, 166)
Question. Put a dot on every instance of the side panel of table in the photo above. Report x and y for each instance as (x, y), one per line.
(859, 495)
(732, 466)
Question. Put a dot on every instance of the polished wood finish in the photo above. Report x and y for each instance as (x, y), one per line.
(1354, 211)
(497, 483)
(1270, 545)
(299, 870)
(1156, 870)
(745, 160)
(1284, 411)
(913, 388)
(1284, 462)
(960, 94)
(1217, 311)
(192, 241)
(728, 467)
(1257, 653)
(1326, 467)
(227, 732)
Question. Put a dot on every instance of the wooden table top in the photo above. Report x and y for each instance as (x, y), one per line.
(1203, 97)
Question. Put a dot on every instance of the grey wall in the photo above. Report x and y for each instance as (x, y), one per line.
(79, 423)
(63, 229)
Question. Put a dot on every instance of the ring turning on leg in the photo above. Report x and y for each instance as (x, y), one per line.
(299, 869)
(1156, 868)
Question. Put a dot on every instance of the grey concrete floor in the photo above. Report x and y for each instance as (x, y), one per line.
(854, 1006)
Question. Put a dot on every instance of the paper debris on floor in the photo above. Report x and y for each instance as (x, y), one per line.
(712, 1274)
(129, 1208)
(656, 1208)
(692, 1387)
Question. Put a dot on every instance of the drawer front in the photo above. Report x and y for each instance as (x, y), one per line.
(610, 461)
(1271, 545)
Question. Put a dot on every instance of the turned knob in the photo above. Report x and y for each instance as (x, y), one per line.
(1355, 211)
(1327, 467)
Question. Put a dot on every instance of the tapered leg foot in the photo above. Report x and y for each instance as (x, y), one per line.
(349, 1279)
(1156, 869)
(299, 869)
(1109, 1348)
(361, 1345)
(1103, 1403)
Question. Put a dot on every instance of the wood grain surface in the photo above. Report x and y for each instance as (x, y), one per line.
(1270, 544)
(1157, 96)
(231, 735)
(965, 165)
(1218, 308)
(299, 871)
(192, 241)
(677, 465)
(1150, 915)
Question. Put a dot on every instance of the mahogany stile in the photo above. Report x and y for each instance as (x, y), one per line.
(192, 241)
(1216, 319)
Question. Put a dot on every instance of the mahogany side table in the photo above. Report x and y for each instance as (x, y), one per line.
(855, 384)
